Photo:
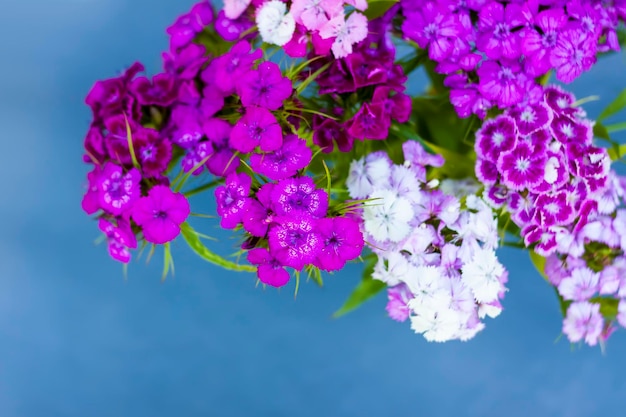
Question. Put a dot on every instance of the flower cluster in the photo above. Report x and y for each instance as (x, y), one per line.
(435, 252)
(493, 51)
(538, 161)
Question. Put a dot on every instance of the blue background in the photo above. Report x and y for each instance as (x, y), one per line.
(77, 339)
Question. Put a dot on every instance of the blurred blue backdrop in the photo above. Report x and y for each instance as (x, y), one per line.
(78, 340)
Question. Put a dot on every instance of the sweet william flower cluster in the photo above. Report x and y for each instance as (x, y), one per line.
(293, 117)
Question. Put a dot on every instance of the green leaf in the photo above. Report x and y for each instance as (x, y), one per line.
(364, 291)
(616, 153)
(608, 306)
(194, 242)
(539, 262)
(600, 131)
(377, 8)
(615, 106)
(615, 127)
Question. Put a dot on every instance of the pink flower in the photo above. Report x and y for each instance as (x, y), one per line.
(346, 32)
(160, 214)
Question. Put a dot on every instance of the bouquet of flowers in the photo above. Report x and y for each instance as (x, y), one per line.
(295, 117)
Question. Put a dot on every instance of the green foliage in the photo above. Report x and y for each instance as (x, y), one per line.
(614, 107)
(377, 8)
(367, 288)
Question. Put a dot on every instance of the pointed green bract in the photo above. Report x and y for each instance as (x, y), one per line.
(368, 288)
(194, 242)
(614, 107)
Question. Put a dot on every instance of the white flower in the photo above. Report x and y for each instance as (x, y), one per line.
(387, 217)
(368, 174)
(492, 310)
(438, 326)
(234, 8)
(392, 270)
(482, 275)
(275, 24)
(405, 183)
(427, 285)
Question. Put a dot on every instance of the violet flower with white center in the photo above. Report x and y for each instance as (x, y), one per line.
(521, 167)
(581, 285)
(120, 238)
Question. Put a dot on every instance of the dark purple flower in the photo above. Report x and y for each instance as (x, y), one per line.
(223, 160)
(270, 271)
(299, 195)
(370, 122)
(160, 214)
(152, 152)
(365, 71)
(294, 241)
(232, 199)
(327, 132)
(575, 52)
(119, 238)
(336, 79)
(496, 136)
(259, 213)
(520, 167)
(257, 127)
(95, 149)
(342, 241)
(118, 191)
(501, 82)
(486, 171)
(160, 92)
(397, 105)
(284, 162)
(264, 87)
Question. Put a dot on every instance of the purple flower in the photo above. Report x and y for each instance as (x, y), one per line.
(370, 122)
(568, 130)
(531, 118)
(496, 136)
(398, 299)
(583, 320)
(160, 214)
(266, 87)
(581, 285)
(285, 162)
(91, 200)
(118, 191)
(227, 70)
(95, 149)
(365, 71)
(299, 195)
(574, 53)
(160, 92)
(232, 199)
(398, 106)
(561, 101)
(521, 168)
(537, 46)
(341, 241)
(294, 241)
(222, 160)
(501, 82)
(186, 129)
(554, 209)
(194, 156)
(231, 29)
(432, 27)
(189, 24)
(258, 127)
(469, 100)
(495, 24)
(270, 271)
(110, 97)
(186, 62)
(259, 214)
(327, 132)
(119, 238)
(152, 152)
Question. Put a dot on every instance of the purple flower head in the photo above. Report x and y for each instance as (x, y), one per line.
(110, 97)
(417, 159)
(118, 191)
(297, 46)
(486, 171)
(260, 214)
(365, 71)
(299, 196)
(284, 162)
(231, 67)
(194, 156)
(232, 199)
(537, 45)
(95, 149)
(495, 137)
(521, 168)
(269, 270)
(583, 320)
(495, 24)
(212, 101)
(160, 214)
(567, 130)
(222, 161)
(554, 209)
(116, 138)
(91, 200)
(294, 241)
(264, 87)
(327, 132)
(581, 285)
(575, 52)
(186, 131)
(432, 27)
(531, 118)
(397, 106)
(341, 241)
(161, 91)
(186, 62)
(189, 24)
(119, 238)
(502, 82)
(153, 152)
(231, 29)
(561, 102)
(469, 100)
(398, 299)
(370, 122)
(257, 127)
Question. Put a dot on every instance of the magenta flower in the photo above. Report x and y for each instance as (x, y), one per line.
(521, 167)
(259, 213)
(342, 241)
(531, 118)
(161, 91)
(95, 149)
(160, 214)
(232, 199)
(432, 27)
(269, 270)
(231, 29)
(189, 24)
(194, 156)
(222, 160)
(294, 241)
(119, 238)
(495, 137)
(230, 68)
(495, 24)
(258, 127)
(554, 209)
(299, 196)
(575, 52)
(117, 191)
(264, 87)
(285, 162)
(91, 201)
(327, 132)
(370, 122)
(583, 320)
(537, 46)
(501, 82)
(186, 62)
(152, 152)
(398, 302)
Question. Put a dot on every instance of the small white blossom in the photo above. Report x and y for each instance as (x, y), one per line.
(387, 217)
(275, 24)
(483, 275)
